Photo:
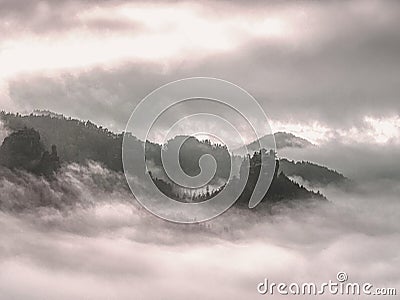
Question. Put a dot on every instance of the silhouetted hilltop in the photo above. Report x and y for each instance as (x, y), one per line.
(80, 141)
(23, 149)
(282, 188)
(191, 150)
(77, 141)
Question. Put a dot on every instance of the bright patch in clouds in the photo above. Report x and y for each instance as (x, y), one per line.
(299, 47)
(145, 32)
(375, 131)
(383, 130)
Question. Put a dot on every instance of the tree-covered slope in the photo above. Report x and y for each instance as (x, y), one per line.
(314, 174)
(79, 141)
(76, 141)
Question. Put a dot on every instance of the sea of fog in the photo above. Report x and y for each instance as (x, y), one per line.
(83, 236)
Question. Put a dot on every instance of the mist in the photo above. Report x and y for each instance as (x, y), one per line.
(83, 235)
(326, 70)
(3, 132)
(360, 161)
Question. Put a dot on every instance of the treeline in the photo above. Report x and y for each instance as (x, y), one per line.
(281, 188)
(23, 149)
(314, 174)
(79, 141)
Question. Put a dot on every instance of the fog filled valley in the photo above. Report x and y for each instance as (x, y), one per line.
(199, 150)
(81, 234)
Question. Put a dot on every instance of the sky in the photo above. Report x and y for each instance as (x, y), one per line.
(321, 70)
(327, 71)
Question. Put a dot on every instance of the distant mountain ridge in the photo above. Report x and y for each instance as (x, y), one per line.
(282, 140)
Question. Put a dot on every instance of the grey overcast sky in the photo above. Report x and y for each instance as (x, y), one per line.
(323, 70)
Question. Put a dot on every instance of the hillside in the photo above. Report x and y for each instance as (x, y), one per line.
(79, 141)
(76, 141)
(23, 149)
(282, 188)
(314, 174)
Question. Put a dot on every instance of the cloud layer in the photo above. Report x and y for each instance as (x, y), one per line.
(101, 245)
(306, 62)
(326, 67)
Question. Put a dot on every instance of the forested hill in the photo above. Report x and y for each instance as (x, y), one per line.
(314, 174)
(23, 149)
(76, 141)
(79, 141)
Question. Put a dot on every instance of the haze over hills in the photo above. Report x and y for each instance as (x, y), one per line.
(23, 150)
(282, 140)
(79, 141)
(313, 174)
